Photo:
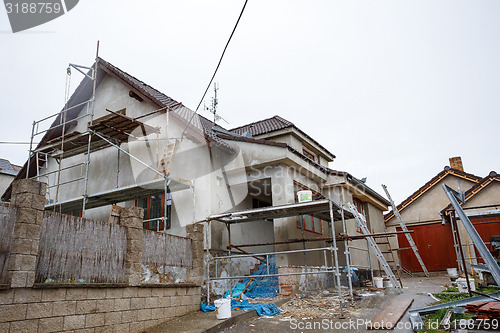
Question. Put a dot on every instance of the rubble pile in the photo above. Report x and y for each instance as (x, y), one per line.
(320, 305)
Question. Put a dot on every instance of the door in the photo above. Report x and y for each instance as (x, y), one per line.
(435, 246)
(486, 227)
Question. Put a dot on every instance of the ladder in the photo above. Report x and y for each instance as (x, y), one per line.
(360, 219)
(166, 161)
(390, 257)
(404, 228)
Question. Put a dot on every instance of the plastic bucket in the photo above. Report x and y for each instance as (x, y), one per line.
(452, 272)
(223, 308)
(379, 282)
(462, 285)
(304, 196)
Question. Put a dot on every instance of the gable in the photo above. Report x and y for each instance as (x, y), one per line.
(486, 195)
(427, 206)
(430, 185)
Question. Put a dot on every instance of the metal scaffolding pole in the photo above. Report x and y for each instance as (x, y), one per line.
(335, 250)
(347, 251)
(474, 235)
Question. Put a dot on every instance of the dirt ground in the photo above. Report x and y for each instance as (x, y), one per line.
(320, 312)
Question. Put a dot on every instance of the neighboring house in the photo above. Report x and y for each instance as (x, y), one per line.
(8, 172)
(482, 206)
(210, 170)
(421, 212)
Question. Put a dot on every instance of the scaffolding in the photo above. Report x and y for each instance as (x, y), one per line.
(111, 130)
(324, 209)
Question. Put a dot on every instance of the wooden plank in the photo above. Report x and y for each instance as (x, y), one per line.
(389, 316)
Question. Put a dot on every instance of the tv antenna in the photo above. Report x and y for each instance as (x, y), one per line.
(213, 106)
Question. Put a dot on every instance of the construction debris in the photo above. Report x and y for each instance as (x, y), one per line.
(320, 305)
(484, 309)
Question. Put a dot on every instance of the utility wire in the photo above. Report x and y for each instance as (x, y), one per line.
(218, 65)
(15, 143)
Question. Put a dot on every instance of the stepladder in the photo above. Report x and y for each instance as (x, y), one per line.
(361, 222)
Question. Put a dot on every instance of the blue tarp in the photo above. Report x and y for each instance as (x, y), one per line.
(263, 309)
(263, 287)
(260, 287)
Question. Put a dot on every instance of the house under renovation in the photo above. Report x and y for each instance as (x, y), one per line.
(120, 142)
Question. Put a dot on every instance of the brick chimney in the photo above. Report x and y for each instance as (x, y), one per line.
(456, 163)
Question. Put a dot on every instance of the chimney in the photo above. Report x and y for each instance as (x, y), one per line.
(456, 163)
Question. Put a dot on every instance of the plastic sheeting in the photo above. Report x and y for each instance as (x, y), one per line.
(263, 287)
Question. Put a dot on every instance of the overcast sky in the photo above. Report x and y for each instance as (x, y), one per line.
(392, 88)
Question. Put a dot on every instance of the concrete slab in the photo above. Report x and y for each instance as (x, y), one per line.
(364, 310)
(206, 322)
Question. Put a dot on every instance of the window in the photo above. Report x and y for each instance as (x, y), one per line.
(154, 211)
(256, 203)
(308, 154)
(310, 223)
(77, 213)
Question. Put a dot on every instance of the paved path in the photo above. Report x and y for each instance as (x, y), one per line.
(365, 309)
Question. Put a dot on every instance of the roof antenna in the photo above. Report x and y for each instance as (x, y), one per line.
(213, 107)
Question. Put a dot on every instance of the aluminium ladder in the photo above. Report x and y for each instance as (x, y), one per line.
(404, 228)
(389, 255)
(360, 219)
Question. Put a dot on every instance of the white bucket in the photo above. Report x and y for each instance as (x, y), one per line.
(379, 282)
(462, 285)
(452, 272)
(223, 308)
(304, 196)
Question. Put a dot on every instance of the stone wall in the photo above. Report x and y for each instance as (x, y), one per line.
(127, 309)
(26, 306)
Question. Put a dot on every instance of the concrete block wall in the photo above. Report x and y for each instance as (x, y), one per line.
(127, 307)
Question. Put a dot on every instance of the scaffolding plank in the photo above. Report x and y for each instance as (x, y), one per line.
(120, 194)
(116, 127)
(120, 127)
(318, 208)
(389, 316)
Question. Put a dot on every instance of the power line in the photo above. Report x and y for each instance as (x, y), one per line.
(216, 68)
(16, 143)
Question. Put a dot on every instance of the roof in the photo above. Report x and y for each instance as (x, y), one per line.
(481, 185)
(273, 124)
(322, 168)
(84, 92)
(162, 100)
(429, 185)
(263, 126)
(8, 168)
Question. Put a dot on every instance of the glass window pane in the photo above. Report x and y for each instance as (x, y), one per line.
(308, 223)
(143, 203)
(155, 207)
